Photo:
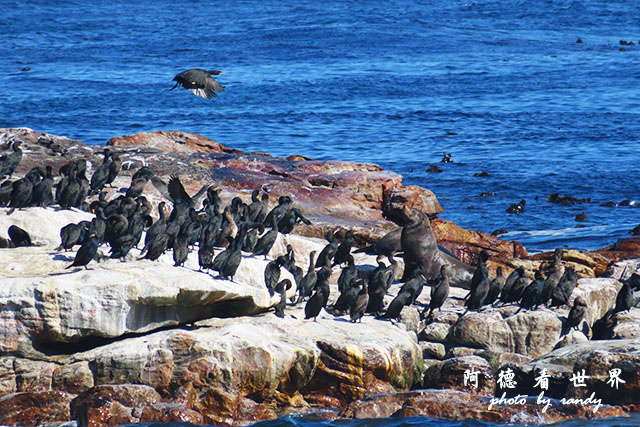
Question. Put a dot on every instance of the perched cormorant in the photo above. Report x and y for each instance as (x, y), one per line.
(439, 290)
(532, 294)
(624, 299)
(508, 284)
(180, 249)
(318, 300)
(199, 82)
(563, 291)
(551, 282)
(20, 237)
(9, 162)
(308, 280)
(495, 286)
(86, 253)
(344, 249)
(282, 287)
(272, 274)
(398, 303)
(576, 314)
(359, 306)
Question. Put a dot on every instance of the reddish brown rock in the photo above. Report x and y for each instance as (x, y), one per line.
(222, 408)
(35, 408)
(331, 194)
(163, 412)
(459, 405)
(109, 405)
(451, 374)
(467, 244)
(172, 140)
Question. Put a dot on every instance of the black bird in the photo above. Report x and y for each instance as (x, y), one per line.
(624, 299)
(86, 253)
(258, 208)
(318, 300)
(122, 245)
(532, 294)
(101, 174)
(359, 306)
(308, 281)
(180, 249)
(272, 274)
(576, 314)
(327, 253)
(231, 264)
(515, 293)
(416, 282)
(157, 247)
(290, 219)
(563, 291)
(347, 274)
(399, 302)
(495, 286)
(114, 168)
(20, 237)
(199, 82)
(205, 251)
(282, 287)
(508, 284)
(481, 272)
(265, 243)
(551, 282)
(72, 234)
(276, 214)
(9, 162)
(42, 195)
(344, 249)
(347, 297)
(439, 290)
(603, 328)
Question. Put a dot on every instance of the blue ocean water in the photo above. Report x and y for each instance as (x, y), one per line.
(505, 86)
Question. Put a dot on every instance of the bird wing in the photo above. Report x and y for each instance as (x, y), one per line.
(161, 186)
(177, 191)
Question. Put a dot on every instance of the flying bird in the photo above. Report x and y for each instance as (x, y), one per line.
(199, 82)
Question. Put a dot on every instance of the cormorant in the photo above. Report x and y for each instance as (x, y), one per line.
(199, 82)
(86, 253)
(576, 314)
(439, 290)
(20, 237)
(359, 306)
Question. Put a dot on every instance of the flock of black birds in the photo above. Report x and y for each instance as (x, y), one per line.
(239, 227)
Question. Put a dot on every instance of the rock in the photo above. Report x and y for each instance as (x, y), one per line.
(437, 332)
(330, 193)
(572, 337)
(597, 358)
(171, 141)
(453, 374)
(112, 404)
(460, 405)
(467, 244)
(628, 324)
(530, 333)
(29, 409)
(113, 298)
(432, 350)
(222, 408)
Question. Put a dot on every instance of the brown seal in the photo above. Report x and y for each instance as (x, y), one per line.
(420, 250)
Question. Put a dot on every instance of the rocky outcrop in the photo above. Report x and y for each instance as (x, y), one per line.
(140, 341)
